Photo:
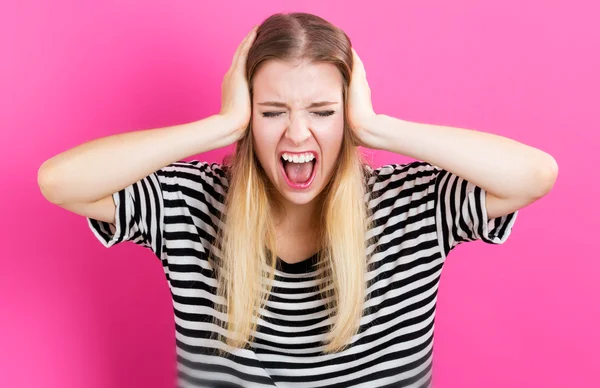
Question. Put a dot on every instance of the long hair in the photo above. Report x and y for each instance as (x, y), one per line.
(247, 239)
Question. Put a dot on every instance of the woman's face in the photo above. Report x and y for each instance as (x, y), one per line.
(297, 126)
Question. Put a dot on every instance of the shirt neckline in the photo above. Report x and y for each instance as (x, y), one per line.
(304, 266)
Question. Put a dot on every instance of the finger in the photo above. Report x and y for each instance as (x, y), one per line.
(245, 49)
(358, 62)
(237, 52)
(240, 50)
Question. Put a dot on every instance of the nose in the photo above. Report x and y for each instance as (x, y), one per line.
(298, 130)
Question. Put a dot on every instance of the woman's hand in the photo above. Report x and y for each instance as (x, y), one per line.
(360, 108)
(235, 95)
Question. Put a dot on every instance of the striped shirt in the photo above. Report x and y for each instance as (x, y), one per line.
(420, 212)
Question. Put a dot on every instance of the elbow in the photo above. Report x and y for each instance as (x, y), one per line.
(546, 176)
(47, 184)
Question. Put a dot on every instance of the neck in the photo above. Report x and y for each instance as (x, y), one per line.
(297, 219)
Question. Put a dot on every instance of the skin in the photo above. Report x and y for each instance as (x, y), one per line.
(297, 127)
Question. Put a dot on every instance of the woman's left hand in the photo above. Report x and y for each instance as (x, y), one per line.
(360, 113)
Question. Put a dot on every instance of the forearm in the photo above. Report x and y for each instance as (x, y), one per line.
(98, 168)
(501, 166)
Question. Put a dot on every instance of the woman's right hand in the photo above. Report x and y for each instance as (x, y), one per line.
(83, 181)
(235, 95)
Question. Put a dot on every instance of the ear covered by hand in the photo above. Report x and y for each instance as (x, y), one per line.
(360, 107)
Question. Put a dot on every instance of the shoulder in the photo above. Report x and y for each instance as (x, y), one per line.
(394, 175)
(206, 173)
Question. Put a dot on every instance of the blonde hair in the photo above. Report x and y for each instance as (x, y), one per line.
(247, 239)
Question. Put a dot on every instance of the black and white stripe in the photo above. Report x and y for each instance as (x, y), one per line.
(420, 213)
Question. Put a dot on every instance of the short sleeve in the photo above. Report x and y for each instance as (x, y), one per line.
(174, 189)
(461, 213)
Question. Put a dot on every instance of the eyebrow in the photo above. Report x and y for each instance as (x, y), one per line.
(282, 105)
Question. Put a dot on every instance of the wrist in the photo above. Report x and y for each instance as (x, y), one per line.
(231, 124)
(372, 131)
(212, 132)
(392, 134)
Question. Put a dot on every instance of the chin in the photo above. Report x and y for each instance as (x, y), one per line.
(299, 198)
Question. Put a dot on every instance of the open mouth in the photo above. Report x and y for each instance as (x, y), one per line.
(298, 173)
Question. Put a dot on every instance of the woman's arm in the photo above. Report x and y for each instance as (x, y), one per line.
(499, 165)
(96, 169)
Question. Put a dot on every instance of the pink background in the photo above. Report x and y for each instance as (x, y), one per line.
(74, 314)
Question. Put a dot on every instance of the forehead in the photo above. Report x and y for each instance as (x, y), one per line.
(300, 83)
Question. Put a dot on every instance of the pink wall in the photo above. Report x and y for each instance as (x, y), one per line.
(524, 314)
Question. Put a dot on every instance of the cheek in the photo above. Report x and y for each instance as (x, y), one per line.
(330, 137)
(264, 140)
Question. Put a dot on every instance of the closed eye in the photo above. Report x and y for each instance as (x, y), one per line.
(325, 113)
(271, 114)
(322, 113)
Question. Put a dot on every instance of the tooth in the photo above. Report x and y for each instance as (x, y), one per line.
(302, 159)
(295, 159)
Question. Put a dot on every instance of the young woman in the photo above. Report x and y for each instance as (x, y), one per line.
(297, 264)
